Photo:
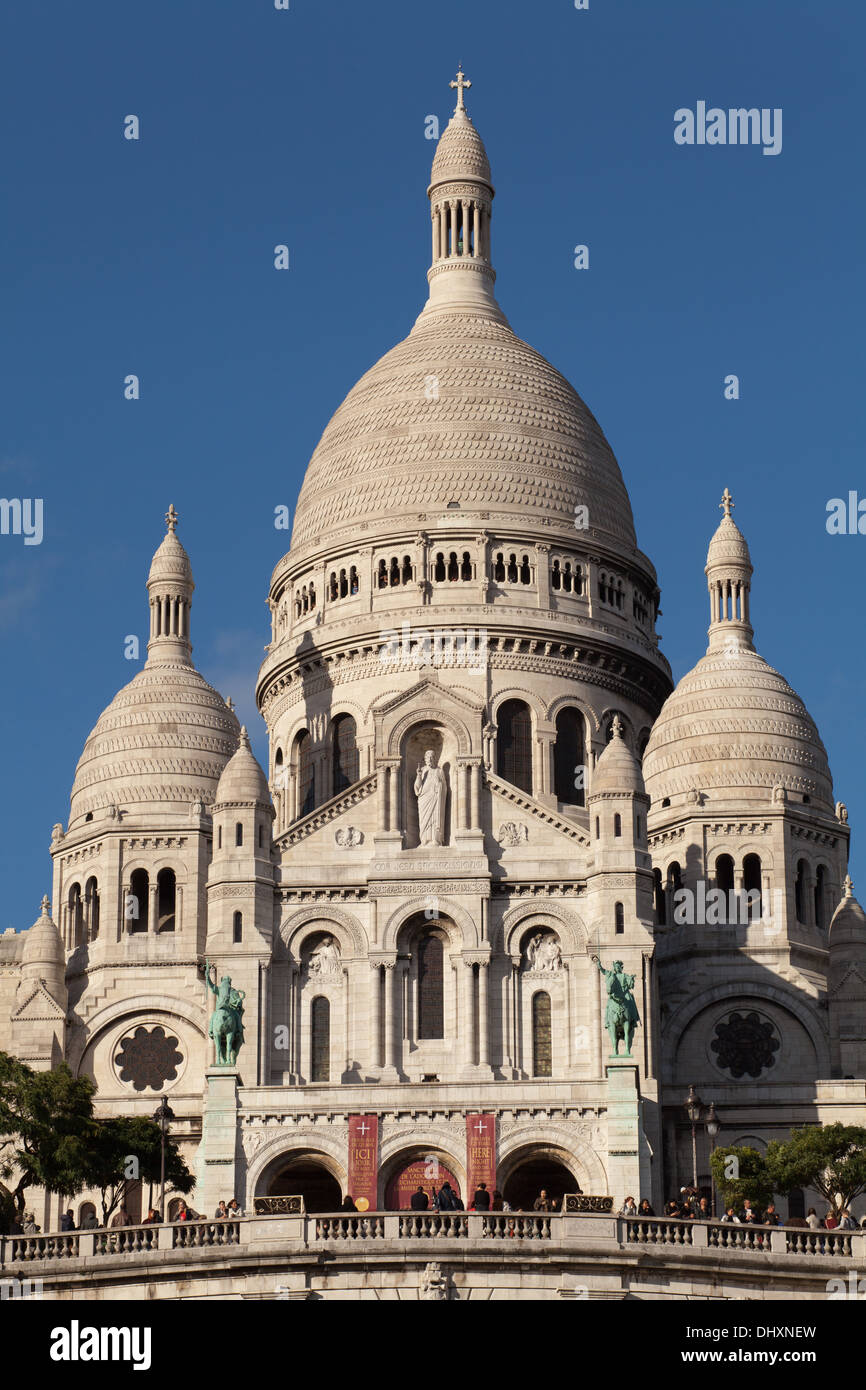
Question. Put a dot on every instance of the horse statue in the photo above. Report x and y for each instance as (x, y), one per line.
(226, 1025)
(621, 1016)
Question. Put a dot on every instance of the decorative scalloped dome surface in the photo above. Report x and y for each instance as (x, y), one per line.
(164, 739)
(242, 778)
(507, 431)
(728, 545)
(460, 153)
(734, 723)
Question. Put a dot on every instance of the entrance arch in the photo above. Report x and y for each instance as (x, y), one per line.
(427, 1167)
(523, 1175)
(304, 1174)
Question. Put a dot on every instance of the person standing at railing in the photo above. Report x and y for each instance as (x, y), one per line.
(222, 1212)
(730, 1218)
(348, 1203)
(847, 1222)
(419, 1201)
(772, 1217)
(628, 1207)
(234, 1208)
(645, 1209)
(67, 1221)
(121, 1218)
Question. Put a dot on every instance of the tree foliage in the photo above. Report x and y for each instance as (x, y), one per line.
(740, 1173)
(122, 1150)
(831, 1159)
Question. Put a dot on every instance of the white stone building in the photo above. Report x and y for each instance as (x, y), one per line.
(462, 683)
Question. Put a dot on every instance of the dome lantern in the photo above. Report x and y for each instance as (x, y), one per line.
(170, 586)
(729, 572)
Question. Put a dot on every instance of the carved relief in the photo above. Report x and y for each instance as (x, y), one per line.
(513, 833)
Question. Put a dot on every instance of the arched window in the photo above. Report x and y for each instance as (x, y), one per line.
(499, 569)
(91, 900)
(453, 567)
(431, 993)
(219, 837)
(320, 1040)
(237, 927)
(514, 744)
(261, 836)
(752, 885)
(239, 833)
(344, 753)
(138, 901)
(76, 916)
(659, 899)
(439, 568)
(556, 576)
(617, 825)
(86, 1211)
(382, 577)
(466, 567)
(618, 919)
(597, 827)
(725, 873)
(820, 880)
(568, 758)
(512, 569)
(525, 571)
(800, 890)
(542, 1048)
(305, 774)
(166, 897)
(674, 884)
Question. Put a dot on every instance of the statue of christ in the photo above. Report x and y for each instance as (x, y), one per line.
(430, 789)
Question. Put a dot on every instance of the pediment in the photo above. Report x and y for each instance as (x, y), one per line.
(429, 701)
(428, 690)
(38, 1007)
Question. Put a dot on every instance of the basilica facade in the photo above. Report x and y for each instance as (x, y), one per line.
(487, 818)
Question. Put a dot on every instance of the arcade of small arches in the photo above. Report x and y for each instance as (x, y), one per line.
(750, 881)
(149, 903)
(560, 574)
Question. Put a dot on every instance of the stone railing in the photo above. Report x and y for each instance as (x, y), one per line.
(299, 1232)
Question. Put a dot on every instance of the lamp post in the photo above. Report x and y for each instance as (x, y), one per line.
(694, 1110)
(163, 1115)
(713, 1126)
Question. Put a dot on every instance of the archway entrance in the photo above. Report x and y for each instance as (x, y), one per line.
(427, 1170)
(306, 1178)
(525, 1182)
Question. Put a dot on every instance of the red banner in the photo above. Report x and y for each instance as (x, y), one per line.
(480, 1154)
(363, 1160)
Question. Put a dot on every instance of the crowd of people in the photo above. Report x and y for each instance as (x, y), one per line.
(691, 1206)
(226, 1211)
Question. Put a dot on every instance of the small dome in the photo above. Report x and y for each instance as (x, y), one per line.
(171, 563)
(734, 729)
(728, 547)
(43, 945)
(162, 742)
(848, 923)
(460, 153)
(617, 770)
(242, 780)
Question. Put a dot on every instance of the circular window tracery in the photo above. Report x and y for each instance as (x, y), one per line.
(745, 1043)
(148, 1058)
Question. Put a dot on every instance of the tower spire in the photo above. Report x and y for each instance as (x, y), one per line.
(729, 573)
(461, 195)
(170, 586)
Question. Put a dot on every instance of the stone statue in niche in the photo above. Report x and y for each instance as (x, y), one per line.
(544, 953)
(842, 812)
(325, 959)
(430, 789)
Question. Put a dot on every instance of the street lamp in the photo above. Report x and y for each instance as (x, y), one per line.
(713, 1128)
(163, 1115)
(694, 1110)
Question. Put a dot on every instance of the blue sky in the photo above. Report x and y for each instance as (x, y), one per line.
(306, 127)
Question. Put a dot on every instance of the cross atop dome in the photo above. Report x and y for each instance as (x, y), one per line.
(462, 81)
(727, 502)
(171, 519)
(616, 728)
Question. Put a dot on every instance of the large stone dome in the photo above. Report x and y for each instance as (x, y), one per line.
(462, 410)
(164, 740)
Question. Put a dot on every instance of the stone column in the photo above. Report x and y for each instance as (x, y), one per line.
(376, 1012)
(178, 908)
(292, 1061)
(153, 907)
(483, 1015)
(390, 972)
(468, 1015)
(382, 797)
(595, 1019)
(264, 1023)
(476, 240)
(475, 795)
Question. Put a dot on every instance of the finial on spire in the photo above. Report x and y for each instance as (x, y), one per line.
(848, 887)
(231, 704)
(46, 905)
(727, 502)
(616, 726)
(171, 519)
(244, 737)
(460, 84)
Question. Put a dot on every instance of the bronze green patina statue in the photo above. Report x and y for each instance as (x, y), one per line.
(621, 1016)
(227, 1020)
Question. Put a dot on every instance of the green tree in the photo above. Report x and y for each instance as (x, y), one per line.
(45, 1119)
(831, 1159)
(121, 1150)
(740, 1173)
